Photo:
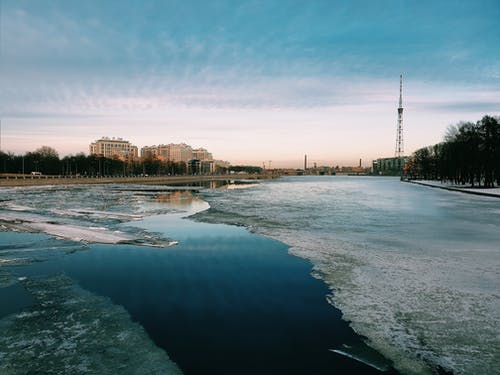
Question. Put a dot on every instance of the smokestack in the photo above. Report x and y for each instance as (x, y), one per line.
(305, 162)
(360, 163)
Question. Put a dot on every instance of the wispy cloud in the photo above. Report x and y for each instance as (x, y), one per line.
(325, 66)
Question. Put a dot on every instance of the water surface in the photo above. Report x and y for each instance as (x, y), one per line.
(222, 301)
(415, 269)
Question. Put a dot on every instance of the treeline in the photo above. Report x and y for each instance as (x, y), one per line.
(246, 169)
(46, 161)
(469, 154)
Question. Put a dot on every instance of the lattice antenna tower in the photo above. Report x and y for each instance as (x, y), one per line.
(399, 137)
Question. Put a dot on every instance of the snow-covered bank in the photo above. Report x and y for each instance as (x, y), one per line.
(488, 192)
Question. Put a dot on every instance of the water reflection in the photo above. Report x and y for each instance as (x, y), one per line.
(220, 184)
(178, 198)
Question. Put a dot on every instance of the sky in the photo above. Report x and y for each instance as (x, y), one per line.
(251, 81)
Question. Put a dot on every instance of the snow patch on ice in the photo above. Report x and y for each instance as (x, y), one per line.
(32, 222)
(77, 233)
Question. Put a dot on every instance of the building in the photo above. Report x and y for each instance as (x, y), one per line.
(202, 154)
(175, 153)
(389, 166)
(113, 147)
(149, 152)
(178, 153)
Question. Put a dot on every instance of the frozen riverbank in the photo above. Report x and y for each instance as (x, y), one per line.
(487, 192)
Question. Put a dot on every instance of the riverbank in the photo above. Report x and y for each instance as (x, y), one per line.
(488, 192)
(159, 180)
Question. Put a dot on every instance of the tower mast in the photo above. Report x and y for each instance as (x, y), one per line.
(399, 137)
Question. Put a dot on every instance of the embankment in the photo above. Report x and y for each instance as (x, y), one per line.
(488, 192)
(163, 180)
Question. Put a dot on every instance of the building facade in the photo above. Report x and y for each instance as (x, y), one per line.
(202, 154)
(179, 153)
(389, 166)
(113, 147)
(176, 153)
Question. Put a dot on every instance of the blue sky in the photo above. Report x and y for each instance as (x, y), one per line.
(249, 80)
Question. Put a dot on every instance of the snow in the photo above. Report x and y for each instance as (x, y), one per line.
(462, 188)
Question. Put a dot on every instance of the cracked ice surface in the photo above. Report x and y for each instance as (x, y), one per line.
(69, 330)
(91, 214)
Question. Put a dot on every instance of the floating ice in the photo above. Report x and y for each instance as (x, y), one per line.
(77, 233)
(91, 215)
(99, 214)
(71, 331)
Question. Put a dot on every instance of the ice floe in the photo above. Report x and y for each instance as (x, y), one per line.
(90, 215)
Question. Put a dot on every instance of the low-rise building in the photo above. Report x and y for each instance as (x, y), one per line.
(389, 166)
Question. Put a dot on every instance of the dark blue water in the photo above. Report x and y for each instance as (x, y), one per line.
(224, 301)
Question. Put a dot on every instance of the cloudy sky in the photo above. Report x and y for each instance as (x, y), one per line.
(251, 81)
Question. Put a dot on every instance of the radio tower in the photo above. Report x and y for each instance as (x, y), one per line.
(399, 138)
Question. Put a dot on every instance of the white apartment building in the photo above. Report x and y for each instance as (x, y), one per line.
(113, 147)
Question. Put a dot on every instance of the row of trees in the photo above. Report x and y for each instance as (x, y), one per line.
(46, 161)
(469, 154)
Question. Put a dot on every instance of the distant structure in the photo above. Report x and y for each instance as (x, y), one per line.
(113, 147)
(394, 165)
(180, 152)
(202, 154)
(172, 152)
(399, 134)
(305, 162)
(197, 160)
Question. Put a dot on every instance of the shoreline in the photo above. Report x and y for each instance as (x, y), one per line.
(52, 180)
(493, 192)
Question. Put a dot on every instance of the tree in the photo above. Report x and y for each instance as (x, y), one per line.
(470, 154)
(47, 152)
